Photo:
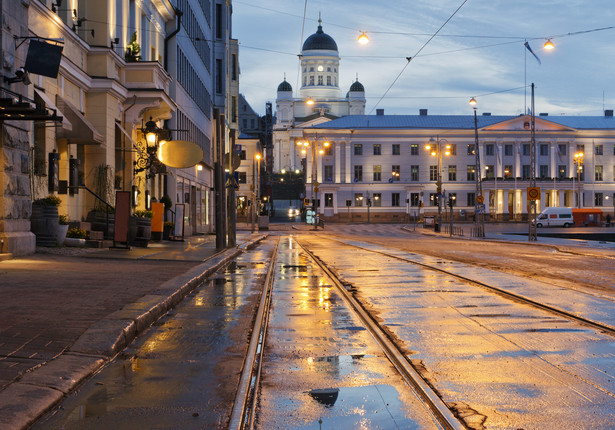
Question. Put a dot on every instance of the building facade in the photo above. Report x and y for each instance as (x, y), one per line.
(384, 160)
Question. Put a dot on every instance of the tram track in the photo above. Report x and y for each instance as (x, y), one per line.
(605, 328)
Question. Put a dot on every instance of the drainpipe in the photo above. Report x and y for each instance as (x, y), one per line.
(178, 14)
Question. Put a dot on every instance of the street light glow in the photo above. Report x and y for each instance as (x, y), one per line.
(472, 101)
(363, 39)
(548, 45)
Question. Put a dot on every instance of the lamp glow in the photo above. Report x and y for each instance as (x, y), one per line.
(363, 39)
(548, 45)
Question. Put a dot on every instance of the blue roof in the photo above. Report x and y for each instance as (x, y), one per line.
(458, 121)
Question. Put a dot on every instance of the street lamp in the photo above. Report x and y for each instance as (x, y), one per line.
(435, 148)
(255, 185)
(578, 162)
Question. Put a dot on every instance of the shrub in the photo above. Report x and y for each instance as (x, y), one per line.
(169, 224)
(76, 233)
(144, 214)
(167, 202)
(50, 200)
(63, 219)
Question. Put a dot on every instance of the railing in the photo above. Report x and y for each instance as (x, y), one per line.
(478, 231)
(109, 208)
(455, 231)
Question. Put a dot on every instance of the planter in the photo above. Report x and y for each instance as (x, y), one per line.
(167, 232)
(74, 242)
(142, 229)
(44, 224)
(62, 230)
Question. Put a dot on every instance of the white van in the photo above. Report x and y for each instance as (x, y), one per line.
(555, 217)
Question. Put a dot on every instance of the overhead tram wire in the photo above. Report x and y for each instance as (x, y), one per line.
(417, 53)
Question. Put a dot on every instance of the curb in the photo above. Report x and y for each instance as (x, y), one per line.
(38, 391)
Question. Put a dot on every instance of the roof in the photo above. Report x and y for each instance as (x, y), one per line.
(319, 40)
(357, 86)
(285, 86)
(459, 121)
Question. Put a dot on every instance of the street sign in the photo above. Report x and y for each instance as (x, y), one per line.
(480, 199)
(480, 209)
(316, 189)
(533, 193)
(316, 183)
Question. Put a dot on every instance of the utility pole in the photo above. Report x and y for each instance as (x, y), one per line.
(532, 235)
(231, 186)
(219, 181)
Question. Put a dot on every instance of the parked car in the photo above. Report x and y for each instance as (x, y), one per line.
(555, 217)
(293, 212)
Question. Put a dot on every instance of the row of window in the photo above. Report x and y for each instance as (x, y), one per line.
(375, 200)
(189, 79)
(451, 170)
(331, 81)
(193, 29)
(490, 149)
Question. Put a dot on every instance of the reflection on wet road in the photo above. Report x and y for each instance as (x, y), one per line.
(183, 372)
(498, 363)
(321, 367)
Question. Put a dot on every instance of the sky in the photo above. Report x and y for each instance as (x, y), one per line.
(478, 53)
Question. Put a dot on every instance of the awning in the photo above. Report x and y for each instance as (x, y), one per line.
(83, 132)
(66, 125)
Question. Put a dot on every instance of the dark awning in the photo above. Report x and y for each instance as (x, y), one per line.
(83, 131)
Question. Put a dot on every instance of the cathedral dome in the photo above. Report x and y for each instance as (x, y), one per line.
(357, 86)
(284, 86)
(319, 40)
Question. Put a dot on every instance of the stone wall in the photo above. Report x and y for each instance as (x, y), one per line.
(15, 201)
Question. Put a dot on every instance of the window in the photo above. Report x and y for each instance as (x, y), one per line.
(544, 171)
(328, 173)
(598, 199)
(219, 31)
(471, 172)
(242, 179)
(489, 172)
(329, 80)
(471, 199)
(377, 149)
(489, 149)
(508, 150)
(320, 81)
(242, 156)
(328, 200)
(395, 172)
(433, 173)
(358, 173)
(525, 171)
(377, 200)
(452, 149)
(526, 149)
(471, 149)
(433, 199)
(414, 199)
(598, 174)
(395, 199)
(358, 199)
(219, 76)
(377, 173)
(581, 148)
(234, 67)
(508, 171)
(358, 149)
(396, 149)
(544, 149)
(452, 173)
(599, 150)
(414, 149)
(414, 173)
(312, 80)
(561, 171)
(562, 148)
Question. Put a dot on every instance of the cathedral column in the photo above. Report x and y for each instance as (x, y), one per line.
(347, 155)
(338, 162)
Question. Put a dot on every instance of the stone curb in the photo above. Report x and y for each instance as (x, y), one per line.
(38, 391)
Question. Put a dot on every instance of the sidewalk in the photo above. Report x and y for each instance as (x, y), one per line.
(67, 311)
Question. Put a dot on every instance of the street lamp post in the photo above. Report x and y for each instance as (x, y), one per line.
(578, 162)
(255, 185)
(479, 217)
(435, 147)
(451, 203)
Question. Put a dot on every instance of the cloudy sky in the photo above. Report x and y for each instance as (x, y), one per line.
(480, 52)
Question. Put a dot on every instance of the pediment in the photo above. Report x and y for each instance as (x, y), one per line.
(523, 122)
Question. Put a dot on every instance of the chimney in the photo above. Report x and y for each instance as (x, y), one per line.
(423, 112)
(543, 114)
(486, 113)
(380, 112)
(608, 112)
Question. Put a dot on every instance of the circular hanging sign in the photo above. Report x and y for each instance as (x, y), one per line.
(179, 154)
(533, 193)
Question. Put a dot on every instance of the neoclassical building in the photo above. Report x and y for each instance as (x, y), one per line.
(318, 101)
(385, 160)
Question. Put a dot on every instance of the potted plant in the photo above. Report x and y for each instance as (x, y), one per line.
(168, 228)
(44, 222)
(75, 237)
(62, 229)
(143, 234)
(133, 50)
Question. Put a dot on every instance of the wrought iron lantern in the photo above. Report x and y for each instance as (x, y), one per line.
(154, 137)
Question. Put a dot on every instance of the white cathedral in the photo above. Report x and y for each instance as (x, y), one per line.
(320, 87)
